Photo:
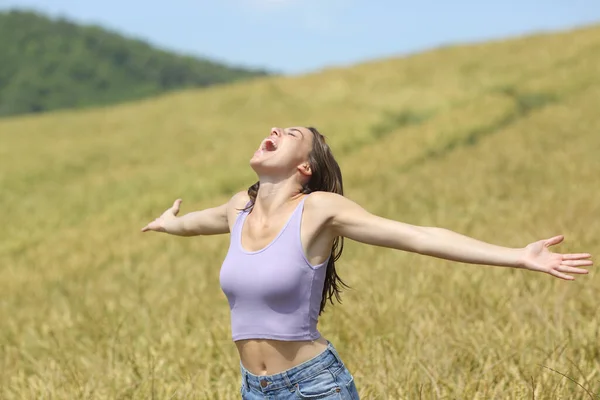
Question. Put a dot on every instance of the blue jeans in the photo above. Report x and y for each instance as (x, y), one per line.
(323, 377)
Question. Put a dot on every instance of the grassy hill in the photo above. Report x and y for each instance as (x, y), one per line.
(498, 141)
(50, 64)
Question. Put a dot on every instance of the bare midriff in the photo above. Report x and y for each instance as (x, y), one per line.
(268, 357)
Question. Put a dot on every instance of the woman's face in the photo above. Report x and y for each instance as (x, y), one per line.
(283, 152)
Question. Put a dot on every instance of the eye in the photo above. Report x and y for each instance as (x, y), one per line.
(292, 134)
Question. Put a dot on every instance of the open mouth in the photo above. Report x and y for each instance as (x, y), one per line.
(268, 145)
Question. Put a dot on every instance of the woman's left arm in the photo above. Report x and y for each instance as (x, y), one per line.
(346, 218)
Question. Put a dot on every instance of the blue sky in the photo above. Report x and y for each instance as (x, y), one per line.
(299, 36)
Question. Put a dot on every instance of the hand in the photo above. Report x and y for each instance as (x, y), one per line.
(160, 224)
(537, 257)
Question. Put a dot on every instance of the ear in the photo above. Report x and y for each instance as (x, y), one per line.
(305, 169)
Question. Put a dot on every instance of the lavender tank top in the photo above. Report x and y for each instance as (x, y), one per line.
(273, 293)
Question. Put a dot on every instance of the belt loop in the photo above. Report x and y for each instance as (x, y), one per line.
(288, 382)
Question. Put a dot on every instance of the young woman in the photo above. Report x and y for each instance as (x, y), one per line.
(287, 232)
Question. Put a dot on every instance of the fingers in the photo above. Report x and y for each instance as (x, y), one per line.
(156, 224)
(554, 240)
(560, 275)
(572, 270)
(563, 269)
(175, 208)
(577, 256)
(150, 227)
(577, 263)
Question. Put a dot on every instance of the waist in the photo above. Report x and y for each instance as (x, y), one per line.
(266, 356)
(326, 358)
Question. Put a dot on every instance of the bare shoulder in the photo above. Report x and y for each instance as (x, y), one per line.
(322, 200)
(240, 199)
(237, 202)
(329, 206)
(328, 200)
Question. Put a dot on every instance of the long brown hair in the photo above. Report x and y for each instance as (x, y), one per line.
(326, 177)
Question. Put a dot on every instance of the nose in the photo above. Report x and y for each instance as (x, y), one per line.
(275, 131)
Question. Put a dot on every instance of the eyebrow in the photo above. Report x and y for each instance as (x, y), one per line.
(297, 130)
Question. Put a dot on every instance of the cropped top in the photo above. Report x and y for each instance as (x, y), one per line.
(273, 293)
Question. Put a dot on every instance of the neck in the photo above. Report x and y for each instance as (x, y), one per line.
(273, 194)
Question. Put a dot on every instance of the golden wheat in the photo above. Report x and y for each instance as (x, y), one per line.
(498, 141)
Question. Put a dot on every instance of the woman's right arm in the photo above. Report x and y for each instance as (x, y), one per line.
(210, 221)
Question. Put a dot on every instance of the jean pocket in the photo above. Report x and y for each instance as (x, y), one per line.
(329, 395)
(321, 386)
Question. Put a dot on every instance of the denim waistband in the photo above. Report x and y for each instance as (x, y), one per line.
(288, 378)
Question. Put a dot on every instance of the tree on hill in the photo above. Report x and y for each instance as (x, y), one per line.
(51, 64)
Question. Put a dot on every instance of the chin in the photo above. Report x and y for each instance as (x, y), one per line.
(255, 161)
(259, 166)
(265, 168)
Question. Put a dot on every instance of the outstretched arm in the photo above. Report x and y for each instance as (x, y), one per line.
(346, 218)
(211, 221)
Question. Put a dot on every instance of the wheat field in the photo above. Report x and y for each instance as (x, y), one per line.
(499, 141)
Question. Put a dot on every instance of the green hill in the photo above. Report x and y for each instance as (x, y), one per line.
(498, 141)
(50, 64)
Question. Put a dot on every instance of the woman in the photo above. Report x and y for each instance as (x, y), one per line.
(287, 232)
